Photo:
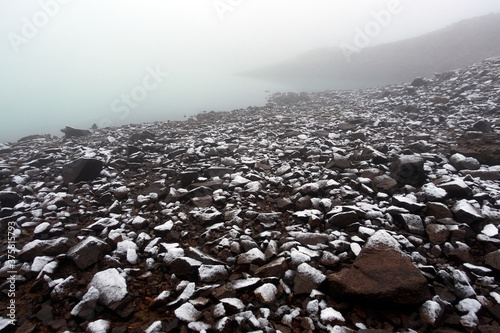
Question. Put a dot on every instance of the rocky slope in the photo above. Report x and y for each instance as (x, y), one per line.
(374, 211)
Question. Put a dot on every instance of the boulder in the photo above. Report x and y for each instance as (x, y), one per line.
(381, 273)
(70, 132)
(409, 170)
(88, 252)
(112, 287)
(84, 169)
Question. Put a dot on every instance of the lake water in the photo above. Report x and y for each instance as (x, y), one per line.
(178, 97)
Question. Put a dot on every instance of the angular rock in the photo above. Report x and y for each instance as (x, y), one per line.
(437, 233)
(409, 170)
(70, 132)
(84, 169)
(85, 308)
(275, 268)
(384, 183)
(266, 293)
(37, 247)
(307, 279)
(112, 287)
(88, 252)
(464, 212)
(381, 273)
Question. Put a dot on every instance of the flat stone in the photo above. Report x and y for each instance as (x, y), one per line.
(82, 170)
(38, 247)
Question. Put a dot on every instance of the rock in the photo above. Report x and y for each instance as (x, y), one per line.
(84, 169)
(43, 248)
(266, 293)
(212, 273)
(99, 326)
(70, 132)
(253, 256)
(437, 233)
(431, 313)
(112, 287)
(483, 126)
(409, 170)
(418, 82)
(185, 268)
(343, 219)
(218, 172)
(307, 279)
(85, 308)
(61, 290)
(460, 162)
(275, 268)
(381, 273)
(464, 212)
(330, 316)
(413, 223)
(384, 183)
(492, 259)
(438, 210)
(456, 188)
(9, 198)
(88, 252)
(187, 313)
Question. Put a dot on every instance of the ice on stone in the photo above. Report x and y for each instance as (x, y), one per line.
(111, 285)
(330, 316)
(187, 313)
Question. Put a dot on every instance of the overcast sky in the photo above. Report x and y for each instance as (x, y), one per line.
(61, 53)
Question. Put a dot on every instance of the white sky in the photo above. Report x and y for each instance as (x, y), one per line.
(92, 48)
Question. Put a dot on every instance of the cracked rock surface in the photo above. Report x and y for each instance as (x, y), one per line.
(374, 210)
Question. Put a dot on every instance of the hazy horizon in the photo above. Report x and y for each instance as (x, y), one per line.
(77, 62)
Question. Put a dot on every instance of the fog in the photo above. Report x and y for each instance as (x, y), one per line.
(76, 62)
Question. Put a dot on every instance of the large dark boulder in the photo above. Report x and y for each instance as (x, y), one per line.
(409, 170)
(82, 170)
(381, 273)
(70, 132)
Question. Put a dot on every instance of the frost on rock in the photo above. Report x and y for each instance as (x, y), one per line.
(112, 287)
(99, 326)
(382, 240)
(331, 316)
(187, 313)
(470, 307)
(266, 293)
(430, 312)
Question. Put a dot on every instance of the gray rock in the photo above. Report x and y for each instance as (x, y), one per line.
(37, 247)
(464, 212)
(85, 308)
(112, 287)
(88, 252)
(307, 279)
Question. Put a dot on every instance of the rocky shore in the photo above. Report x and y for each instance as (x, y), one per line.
(342, 211)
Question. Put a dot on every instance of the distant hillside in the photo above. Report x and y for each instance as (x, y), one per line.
(458, 45)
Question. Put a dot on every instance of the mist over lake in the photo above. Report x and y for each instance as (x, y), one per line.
(180, 96)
